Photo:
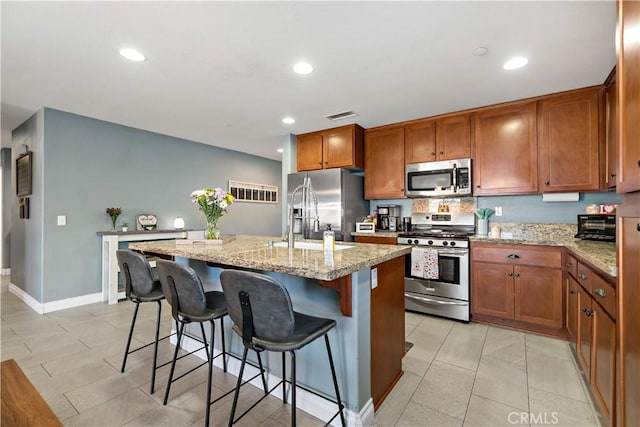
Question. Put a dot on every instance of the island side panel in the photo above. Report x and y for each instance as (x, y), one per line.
(350, 340)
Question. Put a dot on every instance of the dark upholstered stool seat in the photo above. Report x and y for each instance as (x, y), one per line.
(263, 316)
(141, 286)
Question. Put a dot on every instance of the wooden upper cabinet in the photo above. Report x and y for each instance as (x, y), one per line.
(628, 79)
(611, 135)
(569, 141)
(332, 148)
(505, 145)
(448, 138)
(453, 137)
(384, 163)
(309, 151)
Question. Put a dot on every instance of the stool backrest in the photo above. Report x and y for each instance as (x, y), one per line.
(138, 278)
(182, 288)
(271, 308)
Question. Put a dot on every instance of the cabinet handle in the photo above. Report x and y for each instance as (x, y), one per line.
(510, 274)
(613, 175)
(442, 152)
(638, 226)
(582, 276)
(517, 274)
(320, 163)
(572, 292)
(569, 265)
(477, 186)
(326, 163)
(600, 292)
(546, 183)
(513, 256)
(587, 312)
(639, 163)
(433, 153)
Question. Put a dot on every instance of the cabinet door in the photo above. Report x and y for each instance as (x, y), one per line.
(629, 317)
(309, 151)
(338, 148)
(538, 296)
(603, 366)
(420, 142)
(611, 103)
(569, 142)
(506, 150)
(453, 137)
(384, 164)
(492, 290)
(585, 328)
(572, 308)
(376, 240)
(628, 70)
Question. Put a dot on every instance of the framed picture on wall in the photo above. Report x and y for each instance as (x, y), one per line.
(23, 174)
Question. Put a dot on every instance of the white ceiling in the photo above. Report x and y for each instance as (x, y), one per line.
(220, 72)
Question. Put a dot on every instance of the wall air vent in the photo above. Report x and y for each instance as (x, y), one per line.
(342, 115)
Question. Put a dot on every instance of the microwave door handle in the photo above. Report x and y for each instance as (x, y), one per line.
(455, 178)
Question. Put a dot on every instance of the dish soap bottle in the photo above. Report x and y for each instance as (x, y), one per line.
(328, 239)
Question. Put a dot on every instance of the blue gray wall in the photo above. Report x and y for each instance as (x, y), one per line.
(86, 165)
(525, 209)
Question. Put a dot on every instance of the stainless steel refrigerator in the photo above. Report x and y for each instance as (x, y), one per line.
(340, 197)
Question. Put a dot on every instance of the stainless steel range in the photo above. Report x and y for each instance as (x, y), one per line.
(446, 234)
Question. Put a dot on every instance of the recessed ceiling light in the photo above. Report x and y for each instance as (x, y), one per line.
(132, 54)
(514, 63)
(303, 68)
(479, 51)
(288, 120)
(279, 150)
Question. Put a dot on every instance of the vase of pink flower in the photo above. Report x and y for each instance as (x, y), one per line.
(213, 202)
(114, 213)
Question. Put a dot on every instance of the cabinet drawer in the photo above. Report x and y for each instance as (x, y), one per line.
(572, 266)
(518, 255)
(605, 295)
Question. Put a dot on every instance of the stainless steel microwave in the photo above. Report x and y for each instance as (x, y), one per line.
(433, 179)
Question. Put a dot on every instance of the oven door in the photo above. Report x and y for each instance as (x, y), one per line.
(453, 280)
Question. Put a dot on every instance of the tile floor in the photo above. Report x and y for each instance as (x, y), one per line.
(455, 374)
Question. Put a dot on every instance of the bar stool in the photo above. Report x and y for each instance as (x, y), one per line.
(140, 287)
(191, 304)
(263, 316)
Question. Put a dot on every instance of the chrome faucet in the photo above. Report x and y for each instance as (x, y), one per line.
(292, 217)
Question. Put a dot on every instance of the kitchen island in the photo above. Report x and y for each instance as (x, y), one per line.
(312, 279)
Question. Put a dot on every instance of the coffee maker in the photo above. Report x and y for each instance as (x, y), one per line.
(389, 217)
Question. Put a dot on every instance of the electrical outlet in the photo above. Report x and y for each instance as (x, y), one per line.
(62, 220)
(498, 210)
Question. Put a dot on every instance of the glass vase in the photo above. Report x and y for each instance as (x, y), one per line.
(114, 220)
(212, 232)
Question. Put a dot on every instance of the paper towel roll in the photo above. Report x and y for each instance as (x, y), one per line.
(560, 197)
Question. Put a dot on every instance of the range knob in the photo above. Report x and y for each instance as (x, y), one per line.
(415, 242)
(430, 242)
(445, 243)
(453, 243)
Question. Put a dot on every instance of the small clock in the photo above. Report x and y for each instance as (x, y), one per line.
(146, 221)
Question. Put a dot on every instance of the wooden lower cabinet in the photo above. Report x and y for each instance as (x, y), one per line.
(594, 336)
(387, 329)
(375, 239)
(506, 292)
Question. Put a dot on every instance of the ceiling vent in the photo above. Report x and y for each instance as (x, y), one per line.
(340, 116)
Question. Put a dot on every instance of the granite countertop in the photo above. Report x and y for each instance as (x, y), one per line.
(254, 252)
(601, 255)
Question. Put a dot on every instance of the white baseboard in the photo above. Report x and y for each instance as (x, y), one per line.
(48, 307)
(5, 272)
(305, 401)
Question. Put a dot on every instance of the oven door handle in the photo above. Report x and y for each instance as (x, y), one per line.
(408, 295)
(461, 252)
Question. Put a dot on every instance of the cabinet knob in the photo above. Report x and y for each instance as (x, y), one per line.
(572, 292)
(477, 186)
(638, 226)
(600, 292)
(517, 274)
(433, 153)
(639, 163)
(546, 183)
(510, 274)
(613, 175)
(320, 163)
(513, 256)
(569, 265)
(326, 163)
(442, 152)
(582, 276)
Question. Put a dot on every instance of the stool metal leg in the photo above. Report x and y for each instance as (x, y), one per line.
(126, 350)
(264, 381)
(284, 378)
(224, 350)
(293, 387)
(209, 379)
(173, 364)
(204, 340)
(235, 395)
(155, 348)
(335, 380)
